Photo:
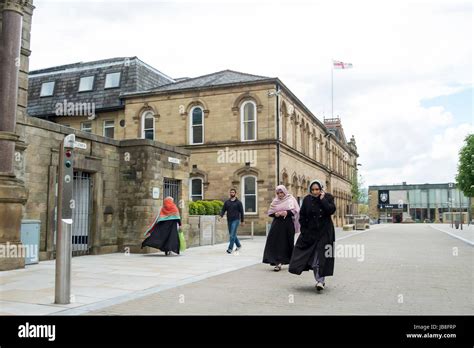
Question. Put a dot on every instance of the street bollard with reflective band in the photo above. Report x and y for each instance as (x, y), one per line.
(64, 222)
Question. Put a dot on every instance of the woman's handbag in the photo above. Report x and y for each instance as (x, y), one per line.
(182, 241)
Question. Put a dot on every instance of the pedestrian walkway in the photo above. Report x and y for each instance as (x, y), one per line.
(103, 280)
(111, 278)
(405, 269)
(466, 234)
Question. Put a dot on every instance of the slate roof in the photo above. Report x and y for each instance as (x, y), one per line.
(135, 76)
(220, 78)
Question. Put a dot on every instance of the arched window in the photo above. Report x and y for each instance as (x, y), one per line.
(249, 192)
(196, 127)
(196, 190)
(295, 131)
(315, 147)
(248, 121)
(148, 125)
(303, 140)
(321, 149)
(280, 126)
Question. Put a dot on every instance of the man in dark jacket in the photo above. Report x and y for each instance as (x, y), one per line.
(235, 214)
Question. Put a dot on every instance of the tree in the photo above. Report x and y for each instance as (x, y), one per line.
(465, 176)
(359, 193)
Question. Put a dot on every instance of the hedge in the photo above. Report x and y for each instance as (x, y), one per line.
(205, 207)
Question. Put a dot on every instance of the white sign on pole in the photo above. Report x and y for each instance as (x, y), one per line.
(174, 160)
(80, 145)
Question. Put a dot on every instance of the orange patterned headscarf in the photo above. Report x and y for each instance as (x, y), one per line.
(168, 208)
(169, 211)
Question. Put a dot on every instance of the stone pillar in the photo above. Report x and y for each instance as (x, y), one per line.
(12, 190)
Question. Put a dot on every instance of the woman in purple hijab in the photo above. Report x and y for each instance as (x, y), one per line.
(285, 213)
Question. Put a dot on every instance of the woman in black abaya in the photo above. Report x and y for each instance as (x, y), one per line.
(163, 232)
(314, 249)
(279, 246)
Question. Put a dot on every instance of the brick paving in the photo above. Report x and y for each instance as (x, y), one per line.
(405, 269)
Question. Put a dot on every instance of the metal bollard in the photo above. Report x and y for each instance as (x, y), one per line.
(63, 263)
(62, 291)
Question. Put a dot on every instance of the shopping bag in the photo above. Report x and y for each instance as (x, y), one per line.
(182, 241)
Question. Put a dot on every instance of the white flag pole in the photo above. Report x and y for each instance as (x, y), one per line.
(332, 88)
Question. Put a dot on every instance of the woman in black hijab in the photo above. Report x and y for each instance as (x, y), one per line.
(314, 248)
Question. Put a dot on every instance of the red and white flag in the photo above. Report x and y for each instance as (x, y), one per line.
(340, 65)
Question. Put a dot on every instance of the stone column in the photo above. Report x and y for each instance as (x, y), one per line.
(12, 190)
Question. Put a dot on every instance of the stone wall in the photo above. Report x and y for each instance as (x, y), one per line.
(122, 205)
(144, 164)
(221, 114)
(15, 15)
(97, 125)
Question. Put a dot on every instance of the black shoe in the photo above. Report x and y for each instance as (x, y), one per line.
(229, 251)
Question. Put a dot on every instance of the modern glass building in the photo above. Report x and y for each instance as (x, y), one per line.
(418, 203)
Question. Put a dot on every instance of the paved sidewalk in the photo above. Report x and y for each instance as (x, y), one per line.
(97, 279)
(407, 269)
(103, 280)
(466, 234)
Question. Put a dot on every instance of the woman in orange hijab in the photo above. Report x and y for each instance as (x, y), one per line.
(163, 232)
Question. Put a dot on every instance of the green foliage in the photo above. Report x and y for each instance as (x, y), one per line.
(205, 207)
(193, 208)
(217, 206)
(201, 209)
(209, 208)
(465, 176)
(359, 193)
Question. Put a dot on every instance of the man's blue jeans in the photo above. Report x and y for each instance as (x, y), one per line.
(233, 225)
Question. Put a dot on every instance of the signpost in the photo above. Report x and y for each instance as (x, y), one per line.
(65, 207)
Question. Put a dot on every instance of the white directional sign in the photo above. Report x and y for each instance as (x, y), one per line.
(80, 145)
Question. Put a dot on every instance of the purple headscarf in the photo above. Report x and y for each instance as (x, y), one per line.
(286, 203)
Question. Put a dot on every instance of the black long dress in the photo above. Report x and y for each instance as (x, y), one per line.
(164, 236)
(280, 240)
(317, 234)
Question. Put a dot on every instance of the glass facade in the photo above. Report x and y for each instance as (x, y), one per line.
(424, 203)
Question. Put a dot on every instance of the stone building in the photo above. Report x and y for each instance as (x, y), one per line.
(15, 28)
(148, 136)
(228, 121)
(118, 184)
(86, 96)
(249, 132)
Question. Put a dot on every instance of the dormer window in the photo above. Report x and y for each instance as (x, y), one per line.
(47, 89)
(86, 83)
(112, 80)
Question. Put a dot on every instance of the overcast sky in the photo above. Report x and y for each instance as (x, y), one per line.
(407, 100)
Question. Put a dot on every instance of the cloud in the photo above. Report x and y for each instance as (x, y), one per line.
(403, 52)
